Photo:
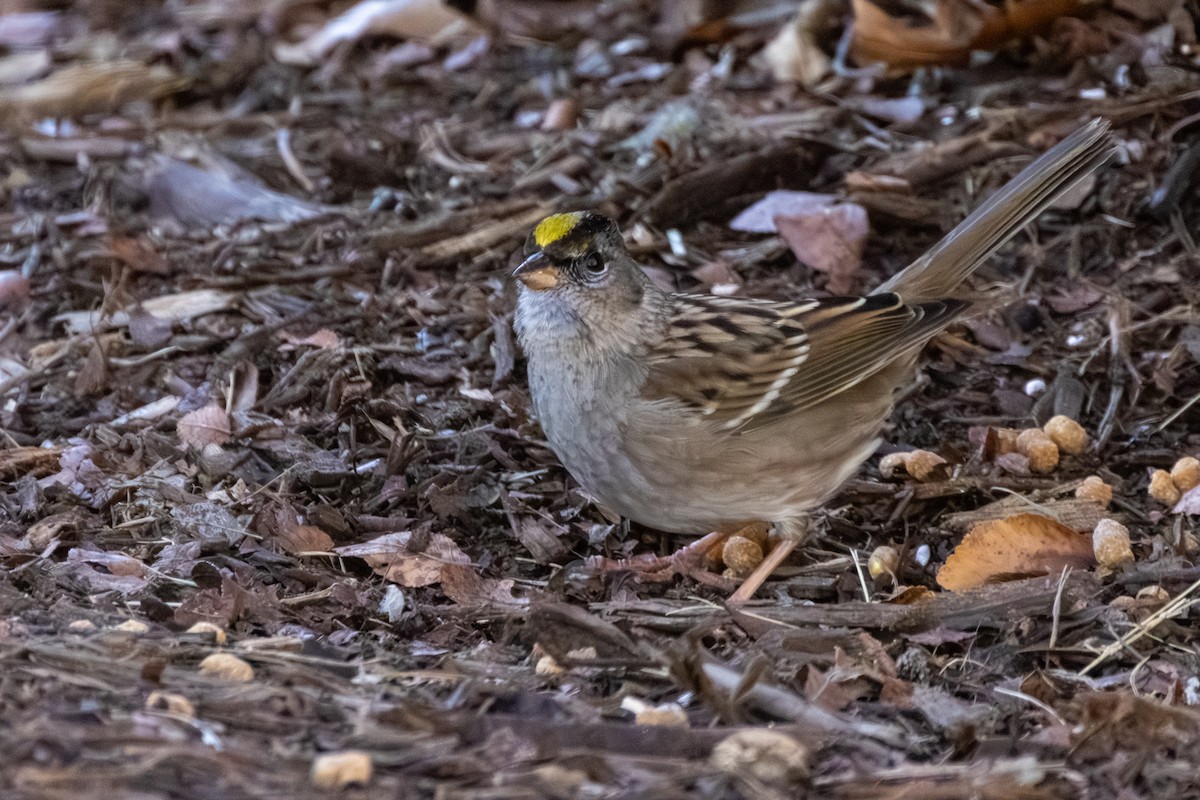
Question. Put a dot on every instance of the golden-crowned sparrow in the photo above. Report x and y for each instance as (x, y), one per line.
(692, 413)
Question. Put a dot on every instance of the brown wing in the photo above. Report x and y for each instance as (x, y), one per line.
(744, 362)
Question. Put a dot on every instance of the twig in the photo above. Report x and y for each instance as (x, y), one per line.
(1178, 412)
(784, 704)
(1033, 701)
(1118, 323)
(1171, 609)
(792, 533)
(862, 579)
(1056, 609)
(283, 142)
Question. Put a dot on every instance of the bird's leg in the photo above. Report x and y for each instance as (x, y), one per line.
(791, 533)
(696, 560)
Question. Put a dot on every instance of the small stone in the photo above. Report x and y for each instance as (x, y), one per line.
(1039, 448)
(924, 465)
(227, 666)
(741, 556)
(893, 464)
(546, 666)
(1110, 543)
(1186, 473)
(339, 770)
(1006, 440)
(1189, 544)
(771, 757)
(171, 703)
(207, 629)
(1154, 595)
(670, 715)
(1163, 488)
(1068, 434)
(1096, 490)
(884, 560)
(561, 115)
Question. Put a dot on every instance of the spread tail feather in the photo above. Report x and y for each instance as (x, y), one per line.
(939, 272)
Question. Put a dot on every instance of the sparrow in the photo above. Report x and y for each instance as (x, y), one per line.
(693, 413)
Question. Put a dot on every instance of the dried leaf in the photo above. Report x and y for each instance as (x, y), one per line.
(892, 109)
(93, 375)
(156, 409)
(137, 253)
(243, 386)
(177, 307)
(794, 56)
(941, 635)
(955, 29)
(37, 461)
(196, 198)
(1019, 546)
(58, 526)
(760, 217)
(1074, 297)
(204, 426)
(541, 537)
(78, 472)
(148, 331)
(390, 557)
(209, 523)
(427, 20)
(836, 689)
(881, 38)
(908, 595)
(465, 586)
(221, 605)
(829, 240)
(306, 539)
(1190, 503)
(116, 563)
(83, 575)
(89, 88)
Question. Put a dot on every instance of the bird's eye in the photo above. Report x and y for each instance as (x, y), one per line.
(594, 265)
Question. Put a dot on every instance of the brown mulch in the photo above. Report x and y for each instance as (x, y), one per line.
(260, 397)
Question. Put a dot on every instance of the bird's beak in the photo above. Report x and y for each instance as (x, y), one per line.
(538, 273)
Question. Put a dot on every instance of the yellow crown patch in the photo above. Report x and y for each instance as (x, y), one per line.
(555, 227)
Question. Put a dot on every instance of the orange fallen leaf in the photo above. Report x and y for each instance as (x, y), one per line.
(910, 595)
(955, 29)
(1015, 547)
(305, 539)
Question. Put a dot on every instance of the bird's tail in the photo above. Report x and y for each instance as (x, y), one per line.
(939, 272)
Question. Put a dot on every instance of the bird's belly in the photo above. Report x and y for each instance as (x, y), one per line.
(672, 470)
(696, 478)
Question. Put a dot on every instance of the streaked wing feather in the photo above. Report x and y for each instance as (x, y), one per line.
(743, 362)
(848, 349)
